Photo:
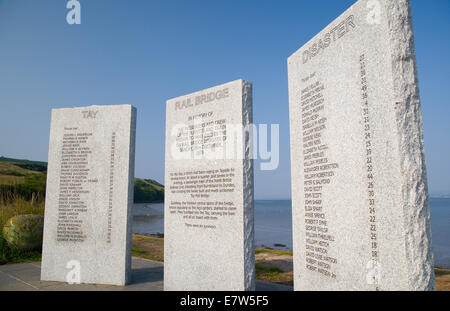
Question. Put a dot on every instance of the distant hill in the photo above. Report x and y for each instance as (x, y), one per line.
(26, 164)
(27, 178)
(148, 190)
(24, 178)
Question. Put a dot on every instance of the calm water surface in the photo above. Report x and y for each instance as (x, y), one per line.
(273, 224)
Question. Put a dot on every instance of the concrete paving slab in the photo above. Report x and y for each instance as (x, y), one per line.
(18, 266)
(147, 275)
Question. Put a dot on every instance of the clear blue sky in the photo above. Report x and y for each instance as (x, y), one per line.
(143, 52)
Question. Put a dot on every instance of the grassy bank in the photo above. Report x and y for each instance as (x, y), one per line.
(148, 247)
(22, 180)
(27, 179)
(17, 205)
(148, 190)
(22, 191)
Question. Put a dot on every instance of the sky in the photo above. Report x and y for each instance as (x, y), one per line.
(143, 52)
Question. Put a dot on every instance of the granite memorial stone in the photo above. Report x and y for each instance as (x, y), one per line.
(361, 218)
(208, 228)
(90, 180)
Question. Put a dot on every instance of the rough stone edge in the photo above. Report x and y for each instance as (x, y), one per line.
(419, 254)
(44, 273)
(249, 248)
(132, 150)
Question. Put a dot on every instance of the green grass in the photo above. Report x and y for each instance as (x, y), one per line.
(277, 252)
(148, 238)
(272, 274)
(26, 180)
(8, 255)
(10, 208)
(147, 190)
(27, 164)
(11, 180)
(15, 169)
(22, 191)
(268, 270)
(138, 251)
(148, 247)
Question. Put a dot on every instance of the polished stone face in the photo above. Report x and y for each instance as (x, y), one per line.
(208, 231)
(359, 187)
(90, 178)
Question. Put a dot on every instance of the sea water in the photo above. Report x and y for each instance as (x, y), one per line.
(273, 225)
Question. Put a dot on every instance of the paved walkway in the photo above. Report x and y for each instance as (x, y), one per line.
(146, 275)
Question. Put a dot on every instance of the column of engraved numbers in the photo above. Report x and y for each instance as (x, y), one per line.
(369, 164)
(111, 185)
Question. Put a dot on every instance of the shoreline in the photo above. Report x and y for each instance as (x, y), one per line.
(271, 265)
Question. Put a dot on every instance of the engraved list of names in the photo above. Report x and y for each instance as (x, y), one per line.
(88, 202)
(319, 171)
(75, 168)
(359, 188)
